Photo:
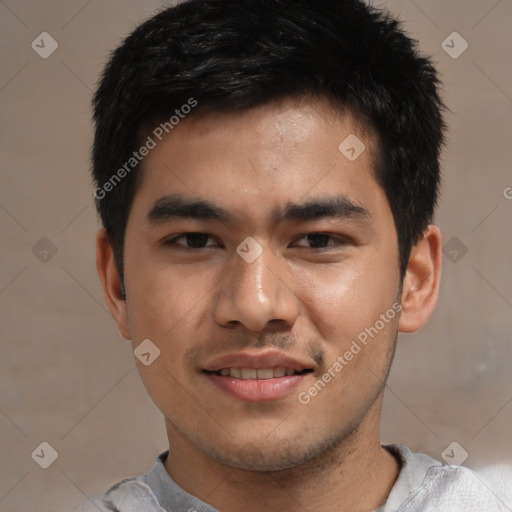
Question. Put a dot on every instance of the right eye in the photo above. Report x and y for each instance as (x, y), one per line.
(192, 240)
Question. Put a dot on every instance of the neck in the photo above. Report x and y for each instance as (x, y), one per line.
(356, 475)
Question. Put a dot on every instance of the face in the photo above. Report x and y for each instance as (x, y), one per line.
(260, 312)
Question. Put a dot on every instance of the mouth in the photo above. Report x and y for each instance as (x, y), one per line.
(259, 373)
(257, 377)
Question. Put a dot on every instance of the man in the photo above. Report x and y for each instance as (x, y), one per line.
(266, 174)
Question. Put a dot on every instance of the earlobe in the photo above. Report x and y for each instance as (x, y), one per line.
(421, 281)
(111, 283)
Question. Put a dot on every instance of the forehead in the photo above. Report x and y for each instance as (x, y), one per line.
(252, 160)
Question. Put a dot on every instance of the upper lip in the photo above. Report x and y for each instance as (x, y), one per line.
(271, 359)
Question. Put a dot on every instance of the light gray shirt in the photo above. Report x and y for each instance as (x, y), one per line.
(423, 485)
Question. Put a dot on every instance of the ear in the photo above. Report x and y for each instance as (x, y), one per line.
(421, 281)
(111, 282)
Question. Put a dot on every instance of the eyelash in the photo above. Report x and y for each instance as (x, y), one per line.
(339, 241)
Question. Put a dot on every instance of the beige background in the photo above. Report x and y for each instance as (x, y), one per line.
(68, 378)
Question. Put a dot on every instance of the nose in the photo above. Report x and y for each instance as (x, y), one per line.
(257, 293)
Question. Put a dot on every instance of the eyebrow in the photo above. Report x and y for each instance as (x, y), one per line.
(176, 206)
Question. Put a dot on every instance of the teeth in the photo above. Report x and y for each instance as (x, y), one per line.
(235, 372)
(265, 373)
(248, 373)
(257, 373)
(279, 371)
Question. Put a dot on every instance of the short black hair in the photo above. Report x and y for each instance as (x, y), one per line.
(226, 55)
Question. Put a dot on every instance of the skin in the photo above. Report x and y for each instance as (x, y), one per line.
(305, 301)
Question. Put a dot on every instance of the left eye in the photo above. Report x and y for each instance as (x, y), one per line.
(322, 240)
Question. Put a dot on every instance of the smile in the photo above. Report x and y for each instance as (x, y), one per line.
(257, 384)
(258, 373)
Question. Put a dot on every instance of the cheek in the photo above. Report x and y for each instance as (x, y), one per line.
(343, 300)
(166, 306)
(345, 307)
(161, 295)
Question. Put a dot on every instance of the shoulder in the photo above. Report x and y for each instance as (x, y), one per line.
(131, 495)
(438, 487)
(455, 488)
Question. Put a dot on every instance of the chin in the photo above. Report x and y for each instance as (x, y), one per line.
(252, 458)
(267, 455)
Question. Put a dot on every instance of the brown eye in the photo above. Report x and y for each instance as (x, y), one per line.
(192, 240)
(321, 240)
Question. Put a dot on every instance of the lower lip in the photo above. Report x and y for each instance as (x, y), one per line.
(253, 390)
